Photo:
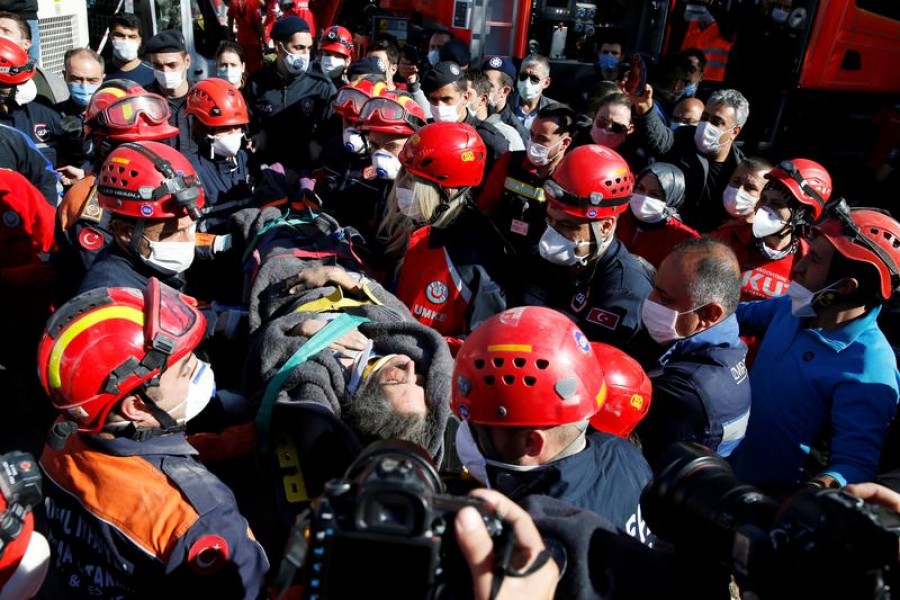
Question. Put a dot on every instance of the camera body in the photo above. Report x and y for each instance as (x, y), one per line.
(387, 530)
(814, 543)
(20, 485)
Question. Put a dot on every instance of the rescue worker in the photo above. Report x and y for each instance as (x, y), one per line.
(447, 91)
(125, 37)
(387, 122)
(525, 384)
(701, 389)
(171, 65)
(825, 381)
(744, 190)
(245, 19)
(218, 121)
(335, 53)
(513, 195)
(287, 101)
(17, 106)
(118, 364)
(629, 393)
(155, 198)
(455, 268)
(502, 74)
(583, 269)
(121, 111)
(793, 198)
(347, 181)
(651, 227)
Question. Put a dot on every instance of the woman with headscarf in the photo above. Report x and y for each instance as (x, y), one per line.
(651, 227)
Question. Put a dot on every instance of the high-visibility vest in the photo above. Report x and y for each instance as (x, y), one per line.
(714, 47)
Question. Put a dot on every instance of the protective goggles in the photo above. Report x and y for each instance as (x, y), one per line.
(125, 112)
(28, 67)
(794, 173)
(555, 192)
(350, 100)
(841, 212)
(385, 111)
(333, 37)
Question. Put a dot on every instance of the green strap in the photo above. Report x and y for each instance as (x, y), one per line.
(279, 222)
(318, 342)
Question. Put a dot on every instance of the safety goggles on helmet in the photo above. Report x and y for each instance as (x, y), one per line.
(125, 112)
(389, 112)
(841, 213)
(554, 191)
(334, 37)
(14, 70)
(794, 173)
(350, 100)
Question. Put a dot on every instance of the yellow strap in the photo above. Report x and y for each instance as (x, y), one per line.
(336, 302)
(523, 189)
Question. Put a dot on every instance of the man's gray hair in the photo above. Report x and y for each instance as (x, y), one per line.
(735, 100)
(372, 414)
(536, 60)
(716, 273)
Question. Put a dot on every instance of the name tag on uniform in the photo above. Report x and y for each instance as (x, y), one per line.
(520, 227)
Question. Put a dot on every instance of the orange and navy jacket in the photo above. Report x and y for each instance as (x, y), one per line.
(453, 278)
(129, 519)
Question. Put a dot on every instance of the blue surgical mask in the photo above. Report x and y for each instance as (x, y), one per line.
(608, 62)
(689, 90)
(434, 57)
(81, 93)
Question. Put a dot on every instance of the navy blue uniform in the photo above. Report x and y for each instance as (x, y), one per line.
(291, 111)
(18, 154)
(226, 184)
(606, 478)
(604, 299)
(145, 520)
(114, 268)
(701, 393)
(183, 142)
(40, 123)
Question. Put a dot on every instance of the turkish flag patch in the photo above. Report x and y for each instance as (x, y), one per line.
(90, 239)
(208, 555)
(604, 318)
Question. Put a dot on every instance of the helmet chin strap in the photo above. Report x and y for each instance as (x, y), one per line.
(137, 234)
(458, 198)
(167, 422)
(602, 243)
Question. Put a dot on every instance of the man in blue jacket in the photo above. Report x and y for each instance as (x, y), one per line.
(701, 391)
(825, 382)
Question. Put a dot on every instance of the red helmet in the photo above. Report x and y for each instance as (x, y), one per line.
(808, 182)
(451, 155)
(392, 113)
(217, 103)
(122, 110)
(104, 344)
(350, 99)
(337, 39)
(149, 180)
(629, 391)
(591, 182)
(528, 366)
(15, 65)
(870, 236)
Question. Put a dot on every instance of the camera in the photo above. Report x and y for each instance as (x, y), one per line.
(20, 484)
(814, 543)
(386, 530)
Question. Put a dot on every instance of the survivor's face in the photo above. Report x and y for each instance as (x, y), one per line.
(402, 386)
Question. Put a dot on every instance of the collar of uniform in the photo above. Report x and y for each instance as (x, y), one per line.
(174, 444)
(843, 337)
(725, 334)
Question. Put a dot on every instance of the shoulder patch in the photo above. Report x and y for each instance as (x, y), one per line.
(90, 239)
(208, 555)
(604, 318)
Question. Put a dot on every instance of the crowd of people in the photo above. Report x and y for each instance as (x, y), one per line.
(220, 291)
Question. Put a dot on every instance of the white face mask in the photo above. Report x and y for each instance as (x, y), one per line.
(170, 258)
(226, 145)
(557, 249)
(538, 154)
(803, 300)
(407, 204)
(387, 166)
(607, 138)
(26, 92)
(660, 321)
(330, 64)
(444, 113)
(647, 209)
(528, 91)
(738, 202)
(469, 454)
(232, 75)
(353, 141)
(124, 50)
(296, 63)
(169, 80)
(434, 57)
(766, 223)
(200, 391)
(707, 137)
